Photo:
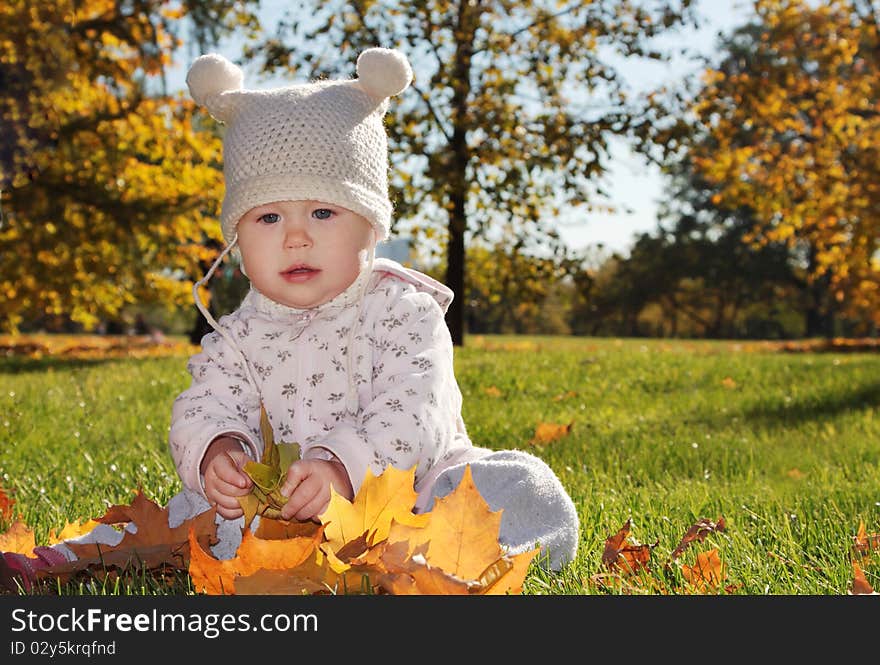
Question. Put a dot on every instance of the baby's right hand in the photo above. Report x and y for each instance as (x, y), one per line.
(224, 479)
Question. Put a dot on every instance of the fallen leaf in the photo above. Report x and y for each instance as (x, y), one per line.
(72, 530)
(6, 503)
(795, 473)
(728, 383)
(860, 586)
(379, 500)
(627, 556)
(565, 395)
(698, 532)
(462, 534)
(864, 544)
(549, 432)
(152, 544)
(18, 538)
(218, 576)
(707, 574)
(492, 391)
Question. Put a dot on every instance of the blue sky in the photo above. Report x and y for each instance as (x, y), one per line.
(635, 188)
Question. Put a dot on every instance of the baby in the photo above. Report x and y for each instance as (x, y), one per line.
(349, 354)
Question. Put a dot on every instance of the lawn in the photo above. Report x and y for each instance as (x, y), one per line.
(784, 446)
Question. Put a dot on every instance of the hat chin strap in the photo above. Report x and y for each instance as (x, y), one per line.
(352, 402)
(210, 319)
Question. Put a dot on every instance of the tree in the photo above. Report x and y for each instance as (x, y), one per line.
(788, 124)
(512, 106)
(108, 193)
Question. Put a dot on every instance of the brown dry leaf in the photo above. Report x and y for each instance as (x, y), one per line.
(549, 432)
(629, 557)
(492, 391)
(565, 395)
(698, 532)
(860, 586)
(795, 473)
(707, 574)
(381, 499)
(18, 538)
(153, 544)
(728, 383)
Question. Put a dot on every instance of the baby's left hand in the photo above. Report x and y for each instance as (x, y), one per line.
(307, 487)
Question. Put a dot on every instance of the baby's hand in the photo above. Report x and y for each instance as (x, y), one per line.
(308, 487)
(224, 479)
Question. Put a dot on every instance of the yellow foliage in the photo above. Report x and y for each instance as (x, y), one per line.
(795, 138)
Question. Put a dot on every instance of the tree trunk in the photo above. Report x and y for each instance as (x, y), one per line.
(468, 21)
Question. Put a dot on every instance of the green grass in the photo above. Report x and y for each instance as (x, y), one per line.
(787, 450)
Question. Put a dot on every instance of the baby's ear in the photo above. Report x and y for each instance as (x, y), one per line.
(212, 82)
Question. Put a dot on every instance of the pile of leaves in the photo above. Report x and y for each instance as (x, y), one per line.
(373, 544)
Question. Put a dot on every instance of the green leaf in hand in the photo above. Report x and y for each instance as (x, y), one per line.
(265, 498)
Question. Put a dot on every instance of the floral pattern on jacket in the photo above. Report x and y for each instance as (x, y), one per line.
(408, 411)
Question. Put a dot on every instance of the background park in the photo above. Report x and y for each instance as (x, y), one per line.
(712, 387)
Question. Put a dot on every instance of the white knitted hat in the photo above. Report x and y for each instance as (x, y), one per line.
(323, 140)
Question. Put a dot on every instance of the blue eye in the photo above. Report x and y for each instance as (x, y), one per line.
(323, 213)
(269, 218)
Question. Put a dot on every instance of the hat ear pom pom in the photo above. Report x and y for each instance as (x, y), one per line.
(212, 74)
(383, 72)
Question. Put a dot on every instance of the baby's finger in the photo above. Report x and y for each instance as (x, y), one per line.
(229, 473)
(302, 496)
(313, 508)
(296, 473)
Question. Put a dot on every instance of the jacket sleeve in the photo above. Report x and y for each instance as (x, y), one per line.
(220, 400)
(412, 413)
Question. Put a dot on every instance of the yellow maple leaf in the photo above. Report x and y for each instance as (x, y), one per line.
(461, 537)
(380, 500)
(18, 538)
(72, 530)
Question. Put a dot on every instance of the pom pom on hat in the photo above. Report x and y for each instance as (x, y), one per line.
(383, 72)
(212, 74)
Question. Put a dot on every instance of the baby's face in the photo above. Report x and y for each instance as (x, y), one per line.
(303, 253)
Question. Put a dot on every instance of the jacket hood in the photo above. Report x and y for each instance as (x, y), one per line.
(439, 291)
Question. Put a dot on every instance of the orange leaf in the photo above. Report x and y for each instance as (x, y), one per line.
(548, 432)
(218, 576)
(6, 503)
(492, 391)
(864, 544)
(860, 583)
(728, 383)
(707, 574)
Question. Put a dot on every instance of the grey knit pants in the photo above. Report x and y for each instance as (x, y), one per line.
(537, 510)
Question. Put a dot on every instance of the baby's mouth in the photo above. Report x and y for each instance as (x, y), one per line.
(300, 272)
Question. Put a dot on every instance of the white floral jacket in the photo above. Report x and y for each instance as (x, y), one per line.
(388, 354)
